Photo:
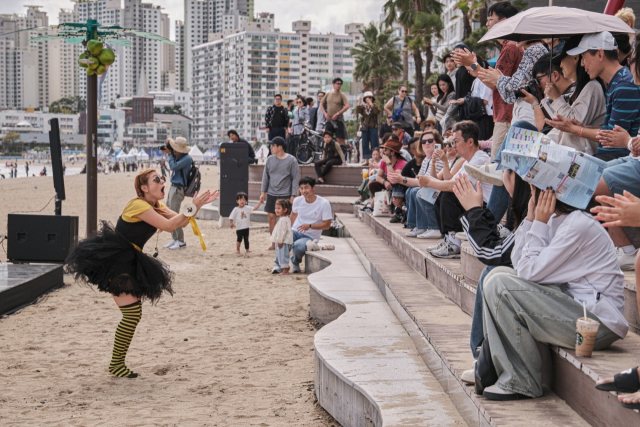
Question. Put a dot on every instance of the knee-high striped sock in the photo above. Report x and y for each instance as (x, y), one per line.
(131, 315)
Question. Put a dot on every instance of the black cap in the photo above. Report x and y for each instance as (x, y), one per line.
(569, 44)
(278, 140)
(461, 46)
(327, 132)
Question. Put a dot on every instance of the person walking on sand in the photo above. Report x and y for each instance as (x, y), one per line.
(279, 180)
(113, 260)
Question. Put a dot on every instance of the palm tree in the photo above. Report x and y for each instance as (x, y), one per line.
(427, 25)
(469, 9)
(376, 58)
(395, 12)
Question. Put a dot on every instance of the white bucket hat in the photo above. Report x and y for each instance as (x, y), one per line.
(369, 94)
(179, 145)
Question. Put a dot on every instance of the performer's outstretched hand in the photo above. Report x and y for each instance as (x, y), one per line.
(207, 197)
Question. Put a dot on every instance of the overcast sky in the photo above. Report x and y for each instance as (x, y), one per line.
(326, 15)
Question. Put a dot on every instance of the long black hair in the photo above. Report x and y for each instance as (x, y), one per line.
(520, 199)
(444, 78)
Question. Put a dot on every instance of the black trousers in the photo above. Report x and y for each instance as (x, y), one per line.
(448, 212)
(328, 164)
(243, 234)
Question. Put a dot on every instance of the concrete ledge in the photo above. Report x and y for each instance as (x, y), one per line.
(367, 369)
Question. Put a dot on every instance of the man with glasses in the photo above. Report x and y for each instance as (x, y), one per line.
(447, 207)
(333, 106)
(403, 107)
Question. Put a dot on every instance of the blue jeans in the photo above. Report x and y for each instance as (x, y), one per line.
(299, 248)
(499, 198)
(282, 255)
(369, 142)
(477, 332)
(420, 213)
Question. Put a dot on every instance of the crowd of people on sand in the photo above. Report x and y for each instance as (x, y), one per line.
(547, 262)
(567, 259)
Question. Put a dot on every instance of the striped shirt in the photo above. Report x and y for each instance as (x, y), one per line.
(623, 106)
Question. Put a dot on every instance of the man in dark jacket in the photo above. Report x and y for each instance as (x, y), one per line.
(277, 119)
(234, 137)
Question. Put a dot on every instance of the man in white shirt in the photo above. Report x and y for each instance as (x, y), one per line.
(310, 215)
(448, 208)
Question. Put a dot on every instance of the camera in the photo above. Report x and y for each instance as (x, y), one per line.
(531, 87)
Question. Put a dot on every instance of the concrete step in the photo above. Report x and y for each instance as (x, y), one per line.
(472, 268)
(440, 331)
(573, 378)
(367, 370)
(325, 190)
(340, 175)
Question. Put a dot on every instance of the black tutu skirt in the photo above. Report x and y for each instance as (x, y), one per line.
(110, 262)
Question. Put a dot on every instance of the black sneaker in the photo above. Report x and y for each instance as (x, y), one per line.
(366, 209)
(396, 219)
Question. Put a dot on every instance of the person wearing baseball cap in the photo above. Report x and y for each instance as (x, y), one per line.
(600, 58)
(279, 180)
(403, 136)
(368, 112)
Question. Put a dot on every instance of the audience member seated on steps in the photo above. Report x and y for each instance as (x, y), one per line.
(624, 210)
(310, 215)
(420, 216)
(332, 155)
(561, 258)
(374, 164)
(447, 208)
(583, 100)
(490, 247)
(622, 95)
(410, 170)
(390, 161)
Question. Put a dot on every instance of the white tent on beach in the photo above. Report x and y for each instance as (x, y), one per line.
(143, 156)
(196, 154)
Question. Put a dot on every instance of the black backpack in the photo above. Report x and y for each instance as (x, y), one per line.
(193, 181)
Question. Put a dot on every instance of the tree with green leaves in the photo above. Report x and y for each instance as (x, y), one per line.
(470, 10)
(68, 105)
(376, 58)
(11, 143)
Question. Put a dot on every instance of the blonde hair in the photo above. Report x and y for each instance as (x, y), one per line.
(627, 15)
(436, 136)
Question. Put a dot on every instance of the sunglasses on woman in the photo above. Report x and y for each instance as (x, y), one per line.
(428, 141)
(158, 179)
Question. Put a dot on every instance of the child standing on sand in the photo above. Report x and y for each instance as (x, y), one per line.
(242, 217)
(282, 235)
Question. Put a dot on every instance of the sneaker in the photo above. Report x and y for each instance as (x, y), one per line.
(178, 245)
(397, 218)
(503, 231)
(357, 202)
(462, 236)
(496, 393)
(627, 262)
(448, 250)
(433, 248)
(469, 376)
(366, 209)
(276, 270)
(430, 234)
(171, 243)
(415, 232)
(485, 173)
(295, 269)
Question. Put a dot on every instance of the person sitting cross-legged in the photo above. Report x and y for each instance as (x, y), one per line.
(561, 258)
(332, 155)
(391, 161)
(447, 207)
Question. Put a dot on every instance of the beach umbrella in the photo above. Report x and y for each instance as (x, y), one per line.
(554, 22)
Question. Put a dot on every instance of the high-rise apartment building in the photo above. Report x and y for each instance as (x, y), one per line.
(205, 17)
(237, 74)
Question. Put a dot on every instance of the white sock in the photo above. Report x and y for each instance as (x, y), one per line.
(629, 250)
(451, 238)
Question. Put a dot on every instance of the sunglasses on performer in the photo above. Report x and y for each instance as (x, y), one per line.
(158, 179)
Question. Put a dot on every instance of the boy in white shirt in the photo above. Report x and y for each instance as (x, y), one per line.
(242, 217)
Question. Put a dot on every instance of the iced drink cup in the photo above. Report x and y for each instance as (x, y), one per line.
(586, 331)
(365, 173)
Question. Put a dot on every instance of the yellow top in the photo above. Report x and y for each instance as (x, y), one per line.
(136, 207)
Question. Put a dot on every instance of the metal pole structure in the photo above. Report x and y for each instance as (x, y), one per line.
(613, 6)
(92, 155)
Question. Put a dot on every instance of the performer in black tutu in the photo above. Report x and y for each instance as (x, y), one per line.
(114, 262)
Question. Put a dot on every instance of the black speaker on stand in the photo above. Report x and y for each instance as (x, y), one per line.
(44, 238)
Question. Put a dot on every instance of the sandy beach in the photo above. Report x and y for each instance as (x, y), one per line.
(232, 347)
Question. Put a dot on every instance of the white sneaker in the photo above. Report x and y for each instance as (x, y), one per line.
(462, 236)
(171, 243)
(415, 232)
(430, 234)
(433, 248)
(485, 173)
(178, 245)
(627, 262)
(504, 231)
(469, 376)
(448, 250)
(276, 270)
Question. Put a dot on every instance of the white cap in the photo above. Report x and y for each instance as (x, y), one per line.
(596, 41)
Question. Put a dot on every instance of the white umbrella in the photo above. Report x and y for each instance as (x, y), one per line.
(554, 22)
